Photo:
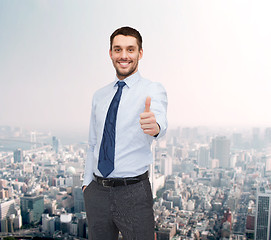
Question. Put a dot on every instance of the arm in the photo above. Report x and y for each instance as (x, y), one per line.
(88, 173)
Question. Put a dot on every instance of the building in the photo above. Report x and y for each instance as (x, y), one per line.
(7, 208)
(250, 226)
(65, 221)
(10, 216)
(82, 226)
(267, 135)
(3, 194)
(166, 233)
(263, 220)
(33, 139)
(77, 180)
(204, 157)
(32, 207)
(256, 140)
(166, 165)
(55, 144)
(18, 155)
(79, 205)
(220, 150)
(48, 224)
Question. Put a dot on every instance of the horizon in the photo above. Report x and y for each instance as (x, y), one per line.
(81, 136)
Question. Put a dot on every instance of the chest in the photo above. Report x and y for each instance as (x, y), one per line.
(132, 103)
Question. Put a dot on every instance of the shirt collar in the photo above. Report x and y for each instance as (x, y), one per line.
(130, 81)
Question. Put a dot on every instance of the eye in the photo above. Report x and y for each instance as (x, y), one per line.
(117, 49)
(130, 50)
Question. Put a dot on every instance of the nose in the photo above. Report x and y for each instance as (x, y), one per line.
(124, 54)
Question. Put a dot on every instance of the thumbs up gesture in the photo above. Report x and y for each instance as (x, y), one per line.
(148, 121)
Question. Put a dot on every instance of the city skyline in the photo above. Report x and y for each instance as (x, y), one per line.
(203, 187)
(212, 57)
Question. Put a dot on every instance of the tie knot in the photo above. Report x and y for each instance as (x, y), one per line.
(121, 84)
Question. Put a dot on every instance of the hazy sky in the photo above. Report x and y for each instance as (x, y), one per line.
(213, 57)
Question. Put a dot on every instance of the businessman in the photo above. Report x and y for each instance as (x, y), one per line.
(126, 116)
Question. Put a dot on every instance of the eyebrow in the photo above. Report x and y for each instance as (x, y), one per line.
(118, 46)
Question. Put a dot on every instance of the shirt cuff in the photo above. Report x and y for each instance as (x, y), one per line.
(159, 130)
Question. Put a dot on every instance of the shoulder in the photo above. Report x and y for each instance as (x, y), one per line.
(103, 91)
(152, 85)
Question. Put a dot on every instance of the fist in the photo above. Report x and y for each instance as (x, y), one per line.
(148, 121)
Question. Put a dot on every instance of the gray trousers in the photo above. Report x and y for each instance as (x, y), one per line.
(128, 209)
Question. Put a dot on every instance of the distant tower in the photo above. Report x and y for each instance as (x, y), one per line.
(76, 180)
(263, 221)
(221, 150)
(237, 140)
(204, 157)
(33, 139)
(256, 143)
(18, 155)
(166, 165)
(55, 143)
(267, 135)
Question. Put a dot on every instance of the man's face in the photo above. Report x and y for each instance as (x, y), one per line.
(125, 55)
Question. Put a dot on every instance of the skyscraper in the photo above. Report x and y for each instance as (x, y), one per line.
(18, 155)
(32, 208)
(78, 200)
(263, 208)
(220, 150)
(166, 165)
(33, 139)
(55, 142)
(204, 157)
(256, 141)
(77, 180)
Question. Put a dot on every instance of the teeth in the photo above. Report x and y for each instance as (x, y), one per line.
(124, 63)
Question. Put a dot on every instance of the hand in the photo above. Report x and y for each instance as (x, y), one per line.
(148, 120)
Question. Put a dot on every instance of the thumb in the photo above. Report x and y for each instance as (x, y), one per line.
(147, 104)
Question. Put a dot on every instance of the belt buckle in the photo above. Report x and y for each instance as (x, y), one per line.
(104, 181)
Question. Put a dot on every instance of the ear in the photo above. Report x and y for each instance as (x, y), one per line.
(110, 53)
(140, 53)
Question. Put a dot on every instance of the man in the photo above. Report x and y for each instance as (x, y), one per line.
(126, 116)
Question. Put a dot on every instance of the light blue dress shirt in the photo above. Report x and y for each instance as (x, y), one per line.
(132, 150)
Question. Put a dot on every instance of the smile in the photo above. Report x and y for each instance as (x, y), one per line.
(124, 64)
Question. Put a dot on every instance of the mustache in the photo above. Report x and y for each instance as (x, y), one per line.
(124, 60)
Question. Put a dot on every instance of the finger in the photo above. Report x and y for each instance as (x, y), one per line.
(147, 121)
(147, 115)
(150, 128)
(147, 104)
(150, 132)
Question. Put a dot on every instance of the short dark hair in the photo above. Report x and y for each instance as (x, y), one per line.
(127, 31)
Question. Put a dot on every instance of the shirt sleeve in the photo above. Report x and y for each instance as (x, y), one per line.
(88, 173)
(159, 107)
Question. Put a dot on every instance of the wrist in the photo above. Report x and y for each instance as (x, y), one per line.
(158, 130)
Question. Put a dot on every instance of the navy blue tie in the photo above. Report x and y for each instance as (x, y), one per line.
(107, 148)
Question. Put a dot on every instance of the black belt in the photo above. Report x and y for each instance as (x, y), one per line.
(115, 182)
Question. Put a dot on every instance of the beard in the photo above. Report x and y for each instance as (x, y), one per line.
(126, 74)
